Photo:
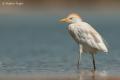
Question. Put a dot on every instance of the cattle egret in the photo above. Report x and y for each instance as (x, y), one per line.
(88, 39)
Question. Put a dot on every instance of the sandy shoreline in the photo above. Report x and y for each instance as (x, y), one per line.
(85, 75)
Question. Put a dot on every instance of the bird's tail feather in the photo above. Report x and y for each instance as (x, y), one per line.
(105, 46)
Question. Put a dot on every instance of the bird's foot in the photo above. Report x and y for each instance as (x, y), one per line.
(93, 70)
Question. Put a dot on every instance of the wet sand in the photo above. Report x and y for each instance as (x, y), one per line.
(84, 75)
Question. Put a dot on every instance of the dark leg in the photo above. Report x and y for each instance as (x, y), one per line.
(93, 58)
(78, 63)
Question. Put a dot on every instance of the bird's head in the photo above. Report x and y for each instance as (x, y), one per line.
(72, 18)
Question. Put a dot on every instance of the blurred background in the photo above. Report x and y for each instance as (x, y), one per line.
(33, 41)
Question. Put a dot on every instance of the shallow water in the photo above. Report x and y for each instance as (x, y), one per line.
(83, 75)
(39, 44)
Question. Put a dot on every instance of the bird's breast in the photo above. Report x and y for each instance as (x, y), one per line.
(76, 32)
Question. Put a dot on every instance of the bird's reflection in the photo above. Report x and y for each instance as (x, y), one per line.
(92, 75)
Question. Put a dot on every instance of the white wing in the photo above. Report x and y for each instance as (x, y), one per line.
(85, 34)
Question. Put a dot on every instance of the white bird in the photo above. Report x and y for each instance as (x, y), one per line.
(88, 39)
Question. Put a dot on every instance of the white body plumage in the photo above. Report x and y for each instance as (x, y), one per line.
(86, 36)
